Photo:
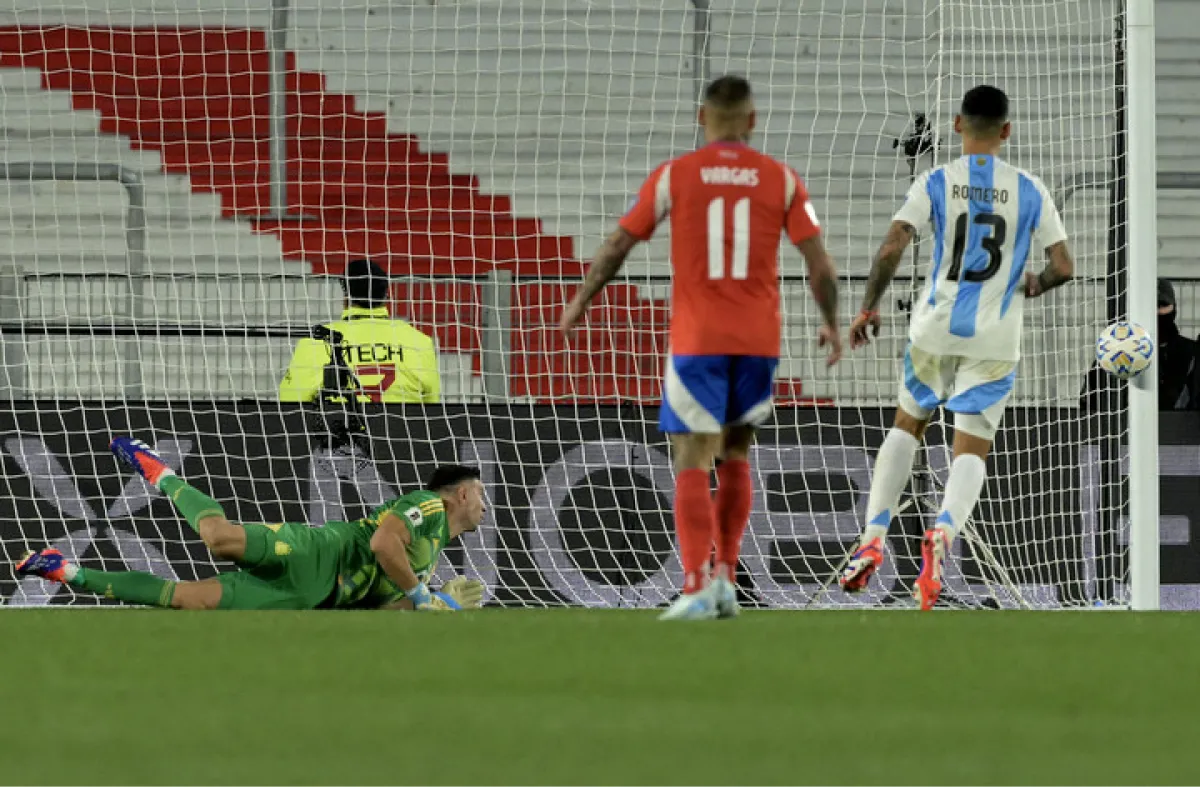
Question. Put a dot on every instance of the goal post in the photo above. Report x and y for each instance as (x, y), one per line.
(1142, 269)
(479, 151)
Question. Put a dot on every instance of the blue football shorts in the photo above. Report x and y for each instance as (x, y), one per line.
(704, 393)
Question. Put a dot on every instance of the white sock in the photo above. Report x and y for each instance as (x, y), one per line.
(963, 487)
(893, 469)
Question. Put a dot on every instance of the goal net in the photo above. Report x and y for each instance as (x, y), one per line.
(156, 272)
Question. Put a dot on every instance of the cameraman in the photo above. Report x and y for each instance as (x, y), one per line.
(366, 356)
(1178, 378)
(1176, 362)
(392, 361)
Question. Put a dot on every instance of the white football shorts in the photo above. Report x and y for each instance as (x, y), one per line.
(975, 391)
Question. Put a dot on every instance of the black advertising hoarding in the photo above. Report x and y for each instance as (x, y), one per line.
(581, 496)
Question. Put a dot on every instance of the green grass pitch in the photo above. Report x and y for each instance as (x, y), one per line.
(602, 697)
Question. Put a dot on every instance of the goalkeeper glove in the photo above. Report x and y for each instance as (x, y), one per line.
(466, 593)
(425, 601)
(450, 603)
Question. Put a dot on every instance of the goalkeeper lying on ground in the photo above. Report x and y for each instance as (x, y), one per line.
(381, 561)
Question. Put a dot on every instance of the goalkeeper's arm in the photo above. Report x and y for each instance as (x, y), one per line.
(388, 543)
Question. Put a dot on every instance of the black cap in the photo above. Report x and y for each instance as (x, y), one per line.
(1166, 293)
(365, 284)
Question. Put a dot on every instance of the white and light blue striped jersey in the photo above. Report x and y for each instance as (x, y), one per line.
(987, 217)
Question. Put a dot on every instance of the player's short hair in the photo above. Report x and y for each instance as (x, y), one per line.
(985, 109)
(365, 284)
(727, 93)
(446, 476)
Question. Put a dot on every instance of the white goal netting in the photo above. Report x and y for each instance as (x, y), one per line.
(478, 151)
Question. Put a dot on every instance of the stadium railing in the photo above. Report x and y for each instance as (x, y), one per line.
(235, 334)
(1056, 359)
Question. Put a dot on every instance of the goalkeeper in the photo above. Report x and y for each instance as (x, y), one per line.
(382, 561)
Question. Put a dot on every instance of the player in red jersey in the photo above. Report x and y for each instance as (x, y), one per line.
(728, 205)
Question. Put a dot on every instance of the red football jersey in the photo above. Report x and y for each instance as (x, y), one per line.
(728, 205)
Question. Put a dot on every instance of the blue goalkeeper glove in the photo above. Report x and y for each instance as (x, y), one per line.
(447, 600)
(425, 601)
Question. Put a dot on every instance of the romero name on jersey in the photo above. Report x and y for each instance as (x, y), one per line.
(987, 216)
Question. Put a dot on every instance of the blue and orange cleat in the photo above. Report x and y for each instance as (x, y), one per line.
(138, 455)
(47, 564)
(867, 558)
(934, 548)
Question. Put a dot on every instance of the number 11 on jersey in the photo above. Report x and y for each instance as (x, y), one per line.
(740, 263)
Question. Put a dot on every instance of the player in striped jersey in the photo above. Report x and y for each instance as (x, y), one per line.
(988, 217)
(380, 562)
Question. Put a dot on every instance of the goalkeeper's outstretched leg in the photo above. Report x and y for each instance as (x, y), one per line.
(133, 587)
(223, 538)
(379, 562)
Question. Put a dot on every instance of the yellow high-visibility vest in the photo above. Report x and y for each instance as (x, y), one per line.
(393, 361)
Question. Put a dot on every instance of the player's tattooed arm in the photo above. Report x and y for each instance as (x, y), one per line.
(825, 291)
(606, 262)
(887, 260)
(822, 278)
(1058, 272)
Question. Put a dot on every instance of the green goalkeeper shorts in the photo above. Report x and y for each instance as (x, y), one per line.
(285, 566)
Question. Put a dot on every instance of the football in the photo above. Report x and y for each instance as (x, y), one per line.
(1124, 349)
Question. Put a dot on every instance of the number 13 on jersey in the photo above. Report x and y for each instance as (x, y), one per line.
(992, 243)
(739, 263)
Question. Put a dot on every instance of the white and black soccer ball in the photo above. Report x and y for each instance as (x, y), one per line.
(1124, 350)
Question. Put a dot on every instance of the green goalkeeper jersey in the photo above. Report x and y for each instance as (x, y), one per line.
(361, 581)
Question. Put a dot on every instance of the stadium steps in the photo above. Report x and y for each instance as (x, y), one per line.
(198, 99)
(180, 91)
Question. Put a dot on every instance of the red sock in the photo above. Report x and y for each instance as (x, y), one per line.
(735, 497)
(695, 525)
